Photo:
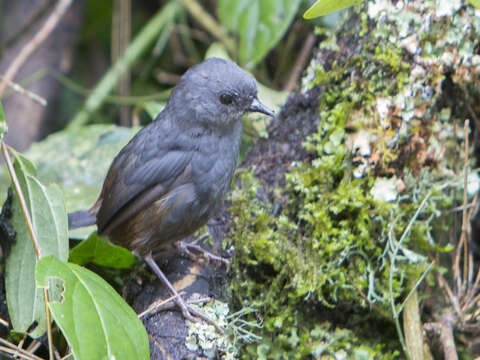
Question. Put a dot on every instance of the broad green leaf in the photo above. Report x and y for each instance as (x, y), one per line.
(94, 319)
(475, 3)
(3, 123)
(49, 218)
(325, 7)
(259, 25)
(98, 250)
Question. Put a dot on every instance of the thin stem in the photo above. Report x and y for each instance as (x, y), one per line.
(31, 95)
(392, 271)
(18, 350)
(33, 44)
(33, 235)
(417, 284)
(465, 202)
(21, 198)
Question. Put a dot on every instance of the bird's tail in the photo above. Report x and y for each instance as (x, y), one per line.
(81, 218)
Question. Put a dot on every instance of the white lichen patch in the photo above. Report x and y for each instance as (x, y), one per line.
(204, 339)
(447, 7)
(385, 189)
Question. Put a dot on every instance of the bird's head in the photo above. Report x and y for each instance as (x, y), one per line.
(215, 92)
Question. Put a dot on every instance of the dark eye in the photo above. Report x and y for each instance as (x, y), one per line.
(227, 98)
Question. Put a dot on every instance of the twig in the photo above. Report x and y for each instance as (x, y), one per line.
(444, 328)
(392, 270)
(31, 95)
(4, 322)
(451, 297)
(18, 350)
(34, 345)
(465, 222)
(300, 62)
(15, 354)
(21, 198)
(415, 287)
(32, 45)
(168, 304)
(412, 327)
(121, 34)
(463, 243)
(157, 305)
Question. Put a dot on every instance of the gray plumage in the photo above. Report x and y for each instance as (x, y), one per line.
(173, 175)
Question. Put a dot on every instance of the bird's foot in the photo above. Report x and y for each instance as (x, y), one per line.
(193, 251)
(189, 312)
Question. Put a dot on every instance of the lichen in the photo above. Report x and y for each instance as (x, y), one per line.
(331, 246)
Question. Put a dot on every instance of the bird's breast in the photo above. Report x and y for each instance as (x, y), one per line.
(213, 168)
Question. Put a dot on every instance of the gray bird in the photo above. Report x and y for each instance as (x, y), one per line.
(171, 178)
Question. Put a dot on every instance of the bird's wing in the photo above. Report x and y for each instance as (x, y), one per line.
(153, 159)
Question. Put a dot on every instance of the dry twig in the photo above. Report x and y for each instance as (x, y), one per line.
(33, 44)
(31, 95)
(464, 294)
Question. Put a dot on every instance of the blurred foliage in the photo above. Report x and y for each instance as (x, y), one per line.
(259, 25)
(475, 3)
(260, 31)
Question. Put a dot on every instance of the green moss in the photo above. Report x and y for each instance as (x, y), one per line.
(328, 254)
(328, 246)
(391, 56)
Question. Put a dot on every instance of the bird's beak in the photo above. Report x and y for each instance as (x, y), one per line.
(257, 106)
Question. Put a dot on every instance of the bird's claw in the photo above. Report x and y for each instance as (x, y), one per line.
(188, 310)
(194, 251)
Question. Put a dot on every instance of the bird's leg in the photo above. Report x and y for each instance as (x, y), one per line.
(192, 250)
(187, 310)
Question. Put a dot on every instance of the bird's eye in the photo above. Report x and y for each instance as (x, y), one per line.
(227, 98)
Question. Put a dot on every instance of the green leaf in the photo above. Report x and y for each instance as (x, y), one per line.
(3, 123)
(94, 319)
(98, 250)
(475, 3)
(325, 7)
(259, 25)
(49, 218)
(153, 108)
(24, 165)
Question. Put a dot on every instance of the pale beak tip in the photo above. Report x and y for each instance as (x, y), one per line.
(257, 106)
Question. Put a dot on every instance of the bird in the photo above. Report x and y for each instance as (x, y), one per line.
(173, 175)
